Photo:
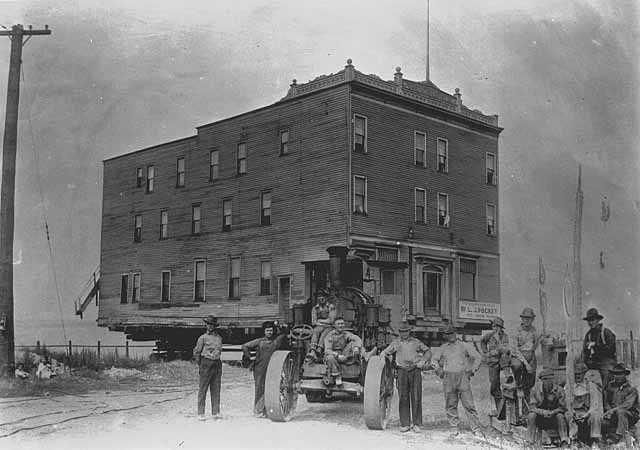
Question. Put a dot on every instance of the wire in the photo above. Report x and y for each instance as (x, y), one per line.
(44, 216)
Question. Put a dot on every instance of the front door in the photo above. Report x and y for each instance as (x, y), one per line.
(432, 291)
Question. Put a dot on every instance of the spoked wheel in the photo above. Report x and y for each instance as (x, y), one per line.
(378, 393)
(280, 397)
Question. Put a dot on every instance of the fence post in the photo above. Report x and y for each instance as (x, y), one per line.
(98, 349)
(126, 348)
(633, 350)
(38, 347)
(70, 348)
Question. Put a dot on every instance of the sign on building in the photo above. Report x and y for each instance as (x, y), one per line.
(478, 310)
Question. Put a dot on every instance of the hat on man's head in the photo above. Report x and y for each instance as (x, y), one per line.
(592, 313)
(498, 321)
(405, 326)
(546, 374)
(210, 319)
(268, 324)
(527, 312)
(580, 367)
(619, 369)
(448, 329)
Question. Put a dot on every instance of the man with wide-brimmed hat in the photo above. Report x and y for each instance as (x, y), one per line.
(412, 356)
(207, 354)
(264, 348)
(621, 408)
(523, 362)
(497, 356)
(586, 420)
(547, 408)
(599, 346)
(340, 347)
(458, 362)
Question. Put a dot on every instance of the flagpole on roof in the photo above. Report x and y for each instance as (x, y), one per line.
(427, 62)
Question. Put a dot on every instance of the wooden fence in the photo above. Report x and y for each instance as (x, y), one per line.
(99, 347)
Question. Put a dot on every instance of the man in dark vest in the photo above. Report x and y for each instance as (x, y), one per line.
(497, 356)
(523, 362)
(264, 348)
(599, 347)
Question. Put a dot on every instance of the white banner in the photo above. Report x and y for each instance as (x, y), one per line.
(478, 310)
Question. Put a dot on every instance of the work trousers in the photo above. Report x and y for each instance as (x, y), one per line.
(537, 422)
(621, 421)
(210, 377)
(259, 377)
(410, 392)
(333, 365)
(457, 386)
(494, 387)
(524, 379)
(583, 428)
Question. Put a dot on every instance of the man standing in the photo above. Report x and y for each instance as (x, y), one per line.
(264, 348)
(547, 408)
(495, 346)
(207, 355)
(621, 409)
(585, 422)
(458, 362)
(340, 346)
(599, 346)
(412, 356)
(524, 362)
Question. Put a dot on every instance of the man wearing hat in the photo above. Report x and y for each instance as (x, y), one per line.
(495, 346)
(547, 408)
(207, 355)
(340, 347)
(599, 346)
(412, 356)
(458, 362)
(585, 422)
(621, 408)
(524, 361)
(264, 348)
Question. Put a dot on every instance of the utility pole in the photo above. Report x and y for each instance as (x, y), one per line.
(428, 75)
(7, 195)
(577, 261)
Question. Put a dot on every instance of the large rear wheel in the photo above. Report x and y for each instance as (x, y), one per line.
(378, 393)
(280, 397)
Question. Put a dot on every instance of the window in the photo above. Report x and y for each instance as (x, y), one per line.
(284, 290)
(265, 208)
(420, 199)
(164, 224)
(265, 278)
(360, 195)
(124, 289)
(151, 175)
(234, 278)
(241, 168)
(419, 149)
(443, 210)
(180, 172)
(139, 177)
(165, 287)
(432, 290)
(135, 292)
(467, 279)
(443, 155)
(198, 280)
(491, 219)
(137, 228)
(284, 142)
(388, 282)
(491, 169)
(359, 134)
(226, 215)
(214, 165)
(195, 218)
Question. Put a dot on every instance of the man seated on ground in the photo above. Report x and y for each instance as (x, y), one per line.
(585, 422)
(621, 410)
(323, 315)
(340, 347)
(547, 409)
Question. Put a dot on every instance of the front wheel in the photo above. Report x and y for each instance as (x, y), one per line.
(280, 397)
(378, 393)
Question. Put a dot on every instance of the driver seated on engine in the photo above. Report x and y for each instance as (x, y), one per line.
(323, 315)
(341, 347)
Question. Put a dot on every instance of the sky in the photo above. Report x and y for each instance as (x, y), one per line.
(115, 76)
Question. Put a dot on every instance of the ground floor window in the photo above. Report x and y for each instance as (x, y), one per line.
(432, 289)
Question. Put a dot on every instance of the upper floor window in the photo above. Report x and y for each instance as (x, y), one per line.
(419, 149)
(443, 210)
(139, 177)
(467, 279)
(195, 218)
(491, 219)
(420, 199)
(241, 168)
(151, 176)
(284, 142)
(359, 195)
(443, 155)
(137, 228)
(124, 289)
(265, 208)
(359, 134)
(491, 169)
(165, 286)
(234, 278)
(135, 292)
(226, 215)
(214, 165)
(164, 224)
(388, 281)
(180, 172)
(265, 278)
(199, 277)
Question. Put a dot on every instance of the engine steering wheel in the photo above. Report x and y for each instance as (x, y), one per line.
(302, 332)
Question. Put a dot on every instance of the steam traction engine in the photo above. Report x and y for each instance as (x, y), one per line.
(367, 377)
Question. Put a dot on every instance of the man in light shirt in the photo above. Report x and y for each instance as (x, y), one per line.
(207, 355)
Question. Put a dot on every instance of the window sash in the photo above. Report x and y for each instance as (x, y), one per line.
(360, 134)
(443, 209)
(265, 278)
(234, 278)
(420, 201)
(165, 287)
(443, 155)
(226, 214)
(195, 219)
(137, 229)
(180, 172)
(124, 289)
(139, 177)
(491, 168)
(214, 165)
(420, 148)
(199, 281)
(359, 194)
(265, 208)
(242, 159)
(491, 219)
(284, 142)
(388, 282)
(235, 268)
(151, 175)
(164, 224)
(135, 292)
